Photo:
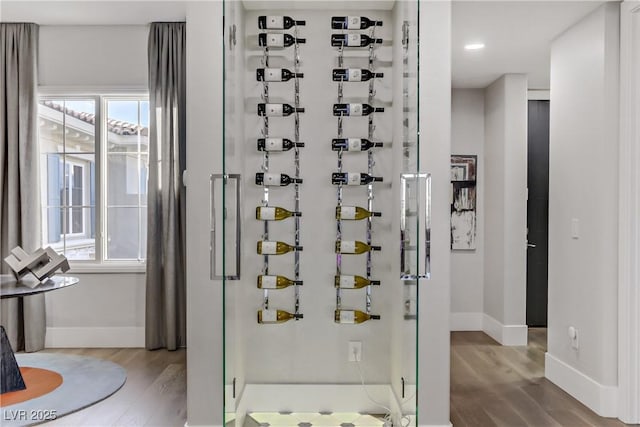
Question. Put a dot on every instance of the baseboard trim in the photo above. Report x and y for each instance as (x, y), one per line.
(601, 399)
(100, 337)
(466, 321)
(509, 335)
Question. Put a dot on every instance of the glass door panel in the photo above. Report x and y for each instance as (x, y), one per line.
(325, 209)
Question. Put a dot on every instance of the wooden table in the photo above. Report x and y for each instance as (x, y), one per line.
(11, 378)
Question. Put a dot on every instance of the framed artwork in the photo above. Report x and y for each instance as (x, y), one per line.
(463, 202)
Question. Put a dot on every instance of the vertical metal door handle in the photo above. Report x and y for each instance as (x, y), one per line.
(212, 221)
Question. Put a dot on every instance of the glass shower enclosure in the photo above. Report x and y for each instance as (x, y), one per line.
(320, 219)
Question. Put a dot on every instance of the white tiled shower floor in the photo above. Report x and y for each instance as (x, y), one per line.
(316, 419)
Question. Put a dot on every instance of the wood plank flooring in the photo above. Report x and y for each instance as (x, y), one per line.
(492, 385)
(154, 395)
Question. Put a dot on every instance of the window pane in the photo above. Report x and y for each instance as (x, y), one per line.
(123, 179)
(123, 233)
(127, 126)
(71, 232)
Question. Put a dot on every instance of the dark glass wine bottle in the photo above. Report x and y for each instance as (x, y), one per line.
(352, 40)
(353, 178)
(353, 144)
(278, 40)
(277, 22)
(276, 75)
(354, 75)
(355, 109)
(353, 23)
(277, 110)
(277, 144)
(279, 179)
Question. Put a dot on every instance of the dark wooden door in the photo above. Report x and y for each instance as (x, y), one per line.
(538, 213)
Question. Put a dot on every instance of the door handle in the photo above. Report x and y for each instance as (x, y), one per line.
(215, 272)
(531, 245)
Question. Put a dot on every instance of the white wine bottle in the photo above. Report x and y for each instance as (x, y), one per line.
(354, 247)
(276, 282)
(276, 316)
(354, 282)
(268, 213)
(269, 247)
(354, 212)
(353, 316)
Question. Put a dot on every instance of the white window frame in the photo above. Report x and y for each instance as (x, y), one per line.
(99, 96)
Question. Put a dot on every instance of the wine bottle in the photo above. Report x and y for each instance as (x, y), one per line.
(353, 23)
(277, 110)
(353, 316)
(352, 40)
(276, 282)
(267, 213)
(353, 144)
(280, 179)
(276, 316)
(277, 144)
(353, 178)
(354, 247)
(278, 40)
(276, 75)
(278, 22)
(354, 212)
(354, 109)
(354, 282)
(354, 75)
(269, 247)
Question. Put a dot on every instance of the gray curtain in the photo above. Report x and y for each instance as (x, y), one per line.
(166, 283)
(23, 318)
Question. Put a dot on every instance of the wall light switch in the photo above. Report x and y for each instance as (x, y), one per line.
(575, 228)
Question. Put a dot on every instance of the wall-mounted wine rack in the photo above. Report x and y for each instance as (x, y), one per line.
(350, 40)
(279, 40)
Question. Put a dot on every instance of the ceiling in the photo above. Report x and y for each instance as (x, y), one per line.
(517, 35)
(114, 12)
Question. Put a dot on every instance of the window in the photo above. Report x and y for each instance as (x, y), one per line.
(94, 158)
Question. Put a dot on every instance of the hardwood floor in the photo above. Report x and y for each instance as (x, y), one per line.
(492, 385)
(155, 393)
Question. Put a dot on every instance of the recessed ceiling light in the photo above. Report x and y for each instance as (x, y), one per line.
(474, 46)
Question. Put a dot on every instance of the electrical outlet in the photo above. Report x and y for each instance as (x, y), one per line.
(355, 351)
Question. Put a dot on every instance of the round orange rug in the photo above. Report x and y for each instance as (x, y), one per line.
(38, 382)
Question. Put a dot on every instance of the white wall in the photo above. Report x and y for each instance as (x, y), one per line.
(467, 267)
(93, 56)
(505, 209)
(435, 152)
(103, 309)
(205, 375)
(584, 187)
